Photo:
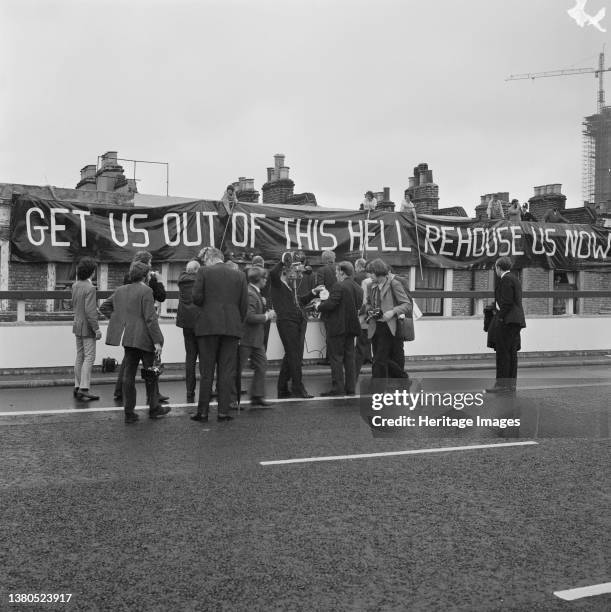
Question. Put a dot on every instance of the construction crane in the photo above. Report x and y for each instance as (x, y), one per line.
(596, 171)
(598, 73)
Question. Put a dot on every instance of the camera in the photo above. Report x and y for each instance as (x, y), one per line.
(375, 314)
(294, 264)
(152, 373)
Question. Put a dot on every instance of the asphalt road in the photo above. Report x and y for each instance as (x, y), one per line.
(178, 515)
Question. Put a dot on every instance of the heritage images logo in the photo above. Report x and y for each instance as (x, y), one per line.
(582, 18)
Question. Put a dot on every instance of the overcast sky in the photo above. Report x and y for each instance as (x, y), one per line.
(354, 93)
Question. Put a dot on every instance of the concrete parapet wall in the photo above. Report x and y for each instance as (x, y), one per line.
(42, 345)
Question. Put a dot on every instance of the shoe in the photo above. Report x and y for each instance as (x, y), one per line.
(84, 394)
(118, 397)
(75, 392)
(200, 418)
(351, 393)
(234, 406)
(163, 398)
(159, 412)
(190, 399)
(302, 394)
(131, 417)
(331, 394)
(224, 417)
(259, 401)
(284, 394)
(500, 390)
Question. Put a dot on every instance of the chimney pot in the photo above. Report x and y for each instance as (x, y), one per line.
(283, 172)
(411, 182)
(88, 171)
(279, 160)
(109, 159)
(270, 175)
(386, 194)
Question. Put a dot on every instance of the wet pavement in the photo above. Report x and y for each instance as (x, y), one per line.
(317, 380)
(173, 514)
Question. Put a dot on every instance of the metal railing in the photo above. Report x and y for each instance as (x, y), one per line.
(479, 297)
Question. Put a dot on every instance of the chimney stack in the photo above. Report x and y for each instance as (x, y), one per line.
(110, 173)
(384, 202)
(245, 190)
(546, 198)
(279, 187)
(423, 191)
(88, 181)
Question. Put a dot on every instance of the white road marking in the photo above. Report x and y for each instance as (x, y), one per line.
(181, 405)
(421, 451)
(290, 400)
(589, 591)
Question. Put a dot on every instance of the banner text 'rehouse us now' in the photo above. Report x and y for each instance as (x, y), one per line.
(51, 231)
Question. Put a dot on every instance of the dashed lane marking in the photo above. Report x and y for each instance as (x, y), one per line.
(421, 451)
(588, 591)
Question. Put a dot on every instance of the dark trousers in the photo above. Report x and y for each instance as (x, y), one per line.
(292, 335)
(191, 354)
(387, 349)
(131, 361)
(258, 358)
(268, 324)
(362, 352)
(220, 352)
(341, 357)
(119, 384)
(119, 381)
(507, 345)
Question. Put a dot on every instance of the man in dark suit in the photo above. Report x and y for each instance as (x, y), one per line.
(222, 295)
(252, 344)
(133, 323)
(509, 321)
(185, 318)
(292, 323)
(339, 313)
(259, 262)
(326, 275)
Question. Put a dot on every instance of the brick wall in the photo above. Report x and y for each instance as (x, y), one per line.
(116, 273)
(277, 192)
(28, 276)
(481, 280)
(536, 279)
(462, 281)
(600, 281)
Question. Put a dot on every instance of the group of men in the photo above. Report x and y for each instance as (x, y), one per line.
(225, 315)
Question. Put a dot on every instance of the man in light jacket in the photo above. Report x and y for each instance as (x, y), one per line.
(85, 327)
(133, 323)
(385, 301)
